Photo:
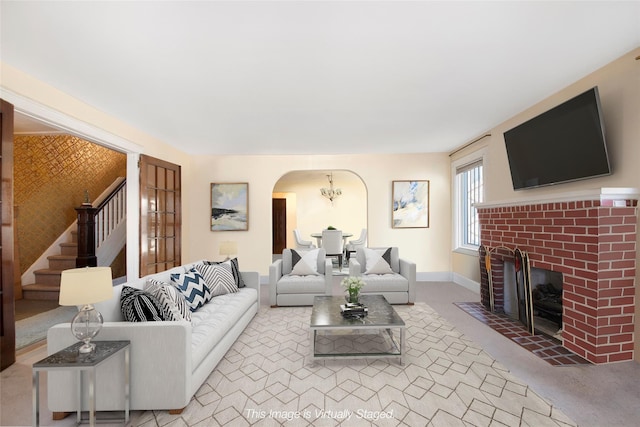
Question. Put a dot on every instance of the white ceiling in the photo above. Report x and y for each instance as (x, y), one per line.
(314, 77)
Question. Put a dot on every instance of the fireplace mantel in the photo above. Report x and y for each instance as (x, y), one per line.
(605, 193)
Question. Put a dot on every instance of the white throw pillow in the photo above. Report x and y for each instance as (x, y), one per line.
(375, 263)
(307, 265)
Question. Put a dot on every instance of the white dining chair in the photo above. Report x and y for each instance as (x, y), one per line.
(354, 244)
(333, 244)
(300, 242)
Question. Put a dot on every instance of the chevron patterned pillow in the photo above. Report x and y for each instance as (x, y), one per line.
(139, 306)
(174, 306)
(219, 278)
(235, 268)
(193, 287)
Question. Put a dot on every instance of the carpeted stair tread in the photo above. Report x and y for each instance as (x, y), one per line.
(73, 257)
(40, 291)
(61, 262)
(47, 271)
(41, 287)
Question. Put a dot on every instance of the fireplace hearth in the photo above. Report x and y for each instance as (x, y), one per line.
(590, 239)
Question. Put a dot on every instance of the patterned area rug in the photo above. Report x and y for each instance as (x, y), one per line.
(447, 380)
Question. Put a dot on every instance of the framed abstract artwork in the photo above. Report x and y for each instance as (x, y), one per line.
(230, 206)
(410, 204)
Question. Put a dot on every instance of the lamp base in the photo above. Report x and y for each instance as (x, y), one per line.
(87, 347)
(86, 325)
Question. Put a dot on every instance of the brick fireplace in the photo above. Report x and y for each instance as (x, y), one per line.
(591, 240)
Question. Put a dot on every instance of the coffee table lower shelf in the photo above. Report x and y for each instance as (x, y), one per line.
(360, 343)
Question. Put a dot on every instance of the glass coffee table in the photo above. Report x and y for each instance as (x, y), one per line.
(379, 334)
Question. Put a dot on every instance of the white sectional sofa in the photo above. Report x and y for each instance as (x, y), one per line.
(170, 360)
(385, 273)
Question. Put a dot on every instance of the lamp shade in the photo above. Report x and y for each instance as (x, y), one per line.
(228, 248)
(87, 285)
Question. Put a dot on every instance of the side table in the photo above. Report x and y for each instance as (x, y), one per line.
(69, 359)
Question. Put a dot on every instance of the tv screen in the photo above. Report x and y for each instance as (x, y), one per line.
(563, 144)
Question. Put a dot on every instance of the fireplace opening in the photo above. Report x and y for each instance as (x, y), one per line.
(543, 307)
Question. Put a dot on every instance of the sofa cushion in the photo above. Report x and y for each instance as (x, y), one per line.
(291, 284)
(219, 278)
(172, 302)
(193, 287)
(212, 322)
(377, 283)
(378, 261)
(139, 306)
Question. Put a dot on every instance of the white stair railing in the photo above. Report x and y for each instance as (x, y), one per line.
(110, 220)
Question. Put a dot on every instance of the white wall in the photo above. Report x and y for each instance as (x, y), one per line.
(428, 247)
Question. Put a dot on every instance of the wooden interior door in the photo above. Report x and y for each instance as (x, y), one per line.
(279, 225)
(7, 318)
(160, 215)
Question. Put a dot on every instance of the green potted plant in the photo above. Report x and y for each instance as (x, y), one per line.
(331, 227)
(353, 285)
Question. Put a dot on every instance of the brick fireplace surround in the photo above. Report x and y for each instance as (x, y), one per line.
(591, 240)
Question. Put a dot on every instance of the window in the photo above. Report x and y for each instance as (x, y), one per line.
(469, 189)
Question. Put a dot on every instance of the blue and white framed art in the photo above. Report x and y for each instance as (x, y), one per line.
(410, 204)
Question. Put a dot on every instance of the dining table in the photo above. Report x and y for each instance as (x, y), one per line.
(318, 237)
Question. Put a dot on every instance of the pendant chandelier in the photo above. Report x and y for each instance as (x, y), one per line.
(330, 193)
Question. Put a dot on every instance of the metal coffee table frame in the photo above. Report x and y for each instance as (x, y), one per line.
(326, 317)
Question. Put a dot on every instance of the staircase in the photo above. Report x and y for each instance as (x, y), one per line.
(47, 286)
(104, 237)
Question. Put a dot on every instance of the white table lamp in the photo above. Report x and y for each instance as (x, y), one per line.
(228, 248)
(84, 287)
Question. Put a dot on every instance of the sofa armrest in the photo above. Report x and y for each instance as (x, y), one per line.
(275, 273)
(252, 280)
(408, 271)
(354, 268)
(160, 361)
(328, 276)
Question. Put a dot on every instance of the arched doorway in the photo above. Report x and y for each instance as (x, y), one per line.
(298, 203)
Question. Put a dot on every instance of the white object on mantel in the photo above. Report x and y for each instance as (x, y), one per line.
(618, 194)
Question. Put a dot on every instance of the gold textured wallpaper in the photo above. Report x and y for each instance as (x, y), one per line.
(51, 174)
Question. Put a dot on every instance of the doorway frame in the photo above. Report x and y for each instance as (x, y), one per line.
(72, 126)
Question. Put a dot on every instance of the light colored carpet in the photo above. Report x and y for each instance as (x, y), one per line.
(34, 328)
(447, 380)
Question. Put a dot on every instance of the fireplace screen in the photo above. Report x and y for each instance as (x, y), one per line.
(523, 289)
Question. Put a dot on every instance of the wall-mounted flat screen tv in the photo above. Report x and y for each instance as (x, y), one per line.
(563, 144)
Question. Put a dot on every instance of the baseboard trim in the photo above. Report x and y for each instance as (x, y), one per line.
(465, 282)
